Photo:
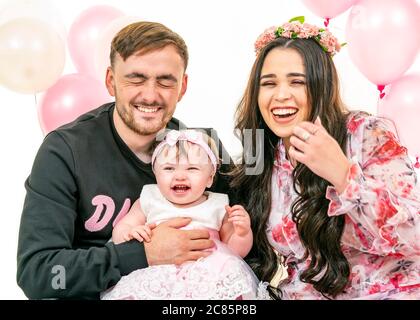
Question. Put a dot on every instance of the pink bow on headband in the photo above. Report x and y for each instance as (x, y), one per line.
(192, 136)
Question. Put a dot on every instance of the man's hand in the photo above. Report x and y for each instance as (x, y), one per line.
(170, 245)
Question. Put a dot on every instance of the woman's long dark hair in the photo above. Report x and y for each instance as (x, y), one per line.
(329, 270)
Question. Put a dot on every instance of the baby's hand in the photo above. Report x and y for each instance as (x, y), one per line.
(140, 233)
(240, 219)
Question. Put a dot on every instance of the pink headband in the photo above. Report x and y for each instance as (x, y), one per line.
(192, 136)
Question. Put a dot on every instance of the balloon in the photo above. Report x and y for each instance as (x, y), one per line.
(103, 45)
(383, 38)
(32, 55)
(84, 33)
(70, 97)
(43, 10)
(402, 105)
(328, 9)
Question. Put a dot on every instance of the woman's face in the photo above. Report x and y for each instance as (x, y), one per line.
(282, 98)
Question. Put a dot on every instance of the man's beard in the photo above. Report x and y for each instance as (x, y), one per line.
(126, 114)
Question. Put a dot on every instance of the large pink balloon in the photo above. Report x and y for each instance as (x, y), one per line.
(383, 38)
(85, 32)
(71, 96)
(402, 104)
(328, 8)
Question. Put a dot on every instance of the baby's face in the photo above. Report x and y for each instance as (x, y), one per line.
(183, 177)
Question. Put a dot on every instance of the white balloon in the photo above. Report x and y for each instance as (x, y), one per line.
(32, 55)
(42, 10)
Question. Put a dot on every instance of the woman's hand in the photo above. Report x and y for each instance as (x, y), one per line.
(312, 145)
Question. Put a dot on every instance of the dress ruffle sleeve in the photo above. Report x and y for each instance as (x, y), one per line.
(382, 199)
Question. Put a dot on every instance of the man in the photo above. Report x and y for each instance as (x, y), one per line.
(87, 174)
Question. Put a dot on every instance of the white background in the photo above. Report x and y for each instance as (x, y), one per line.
(220, 36)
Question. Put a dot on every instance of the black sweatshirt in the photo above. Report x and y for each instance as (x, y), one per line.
(84, 176)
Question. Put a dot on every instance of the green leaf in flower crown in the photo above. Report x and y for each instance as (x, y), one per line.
(343, 44)
(301, 19)
(279, 32)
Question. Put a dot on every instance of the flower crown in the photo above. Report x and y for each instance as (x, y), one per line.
(297, 28)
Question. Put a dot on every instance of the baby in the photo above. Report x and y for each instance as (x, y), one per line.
(185, 163)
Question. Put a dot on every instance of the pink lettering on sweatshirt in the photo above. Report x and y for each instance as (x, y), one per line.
(124, 210)
(98, 221)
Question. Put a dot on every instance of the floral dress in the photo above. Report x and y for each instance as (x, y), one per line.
(381, 206)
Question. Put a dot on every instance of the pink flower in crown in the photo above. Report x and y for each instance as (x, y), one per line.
(293, 27)
(311, 30)
(329, 42)
(305, 32)
(287, 34)
(266, 37)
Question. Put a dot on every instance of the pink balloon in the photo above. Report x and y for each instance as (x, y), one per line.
(85, 32)
(383, 38)
(328, 8)
(103, 45)
(402, 105)
(71, 96)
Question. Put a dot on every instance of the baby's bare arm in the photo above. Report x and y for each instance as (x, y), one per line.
(236, 230)
(133, 218)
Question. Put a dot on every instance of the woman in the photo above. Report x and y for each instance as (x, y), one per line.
(337, 197)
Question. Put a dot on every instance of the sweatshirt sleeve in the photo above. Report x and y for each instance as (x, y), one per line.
(382, 200)
(48, 266)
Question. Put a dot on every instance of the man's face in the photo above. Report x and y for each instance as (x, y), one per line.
(147, 88)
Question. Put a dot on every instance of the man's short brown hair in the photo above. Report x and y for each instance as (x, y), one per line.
(144, 37)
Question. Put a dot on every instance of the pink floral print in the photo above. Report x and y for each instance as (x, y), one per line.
(381, 205)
